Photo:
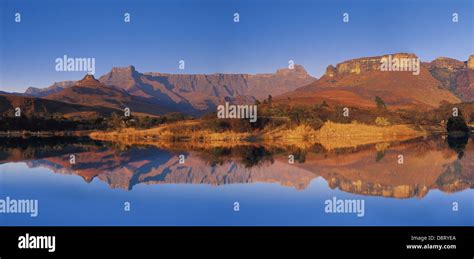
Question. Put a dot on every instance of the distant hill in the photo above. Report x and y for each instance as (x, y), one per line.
(44, 108)
(91, 92)
(54, 88)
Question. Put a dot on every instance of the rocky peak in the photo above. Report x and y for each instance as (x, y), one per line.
(122, 77)
(297, 70)
(89, 80)
(331, 71)
(32, 90)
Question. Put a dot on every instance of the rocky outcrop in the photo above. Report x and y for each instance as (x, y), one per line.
(465, 85)
(361, 65)
(331, 71)
(470, 62)
(455, 76)
(447, 63)
(356, 83)
(122, 77)
(89, 80)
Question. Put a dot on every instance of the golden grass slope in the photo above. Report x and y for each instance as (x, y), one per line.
(331, 135)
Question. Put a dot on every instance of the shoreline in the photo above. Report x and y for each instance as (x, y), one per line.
(331, 135)
(45, 134)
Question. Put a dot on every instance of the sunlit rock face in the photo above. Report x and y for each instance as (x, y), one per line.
(89, 80)
(447, 63)
(356, 82)
(470, 62)
(361, 65)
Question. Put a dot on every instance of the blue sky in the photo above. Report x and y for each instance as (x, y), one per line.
(204, 35)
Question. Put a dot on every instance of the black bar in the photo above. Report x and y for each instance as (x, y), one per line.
(373, 242)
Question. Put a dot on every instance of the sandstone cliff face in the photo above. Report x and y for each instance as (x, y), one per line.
(470, 62)
(357, 82)
(232, 85)
(123, 77)
(331, 71)
(361, 65)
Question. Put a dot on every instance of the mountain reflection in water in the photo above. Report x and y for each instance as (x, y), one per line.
(438, 162)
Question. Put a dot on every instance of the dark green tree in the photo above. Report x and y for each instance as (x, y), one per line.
(380, 103)
(457, 124)
(270, 99)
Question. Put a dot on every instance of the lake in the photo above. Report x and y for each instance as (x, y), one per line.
(84, 182)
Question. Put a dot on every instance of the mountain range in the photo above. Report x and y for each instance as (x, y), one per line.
(354, 82)
(158, 93)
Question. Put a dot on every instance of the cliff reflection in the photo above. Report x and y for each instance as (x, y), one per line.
(428, 163)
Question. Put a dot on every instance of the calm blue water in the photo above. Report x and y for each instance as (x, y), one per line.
(266, 197)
